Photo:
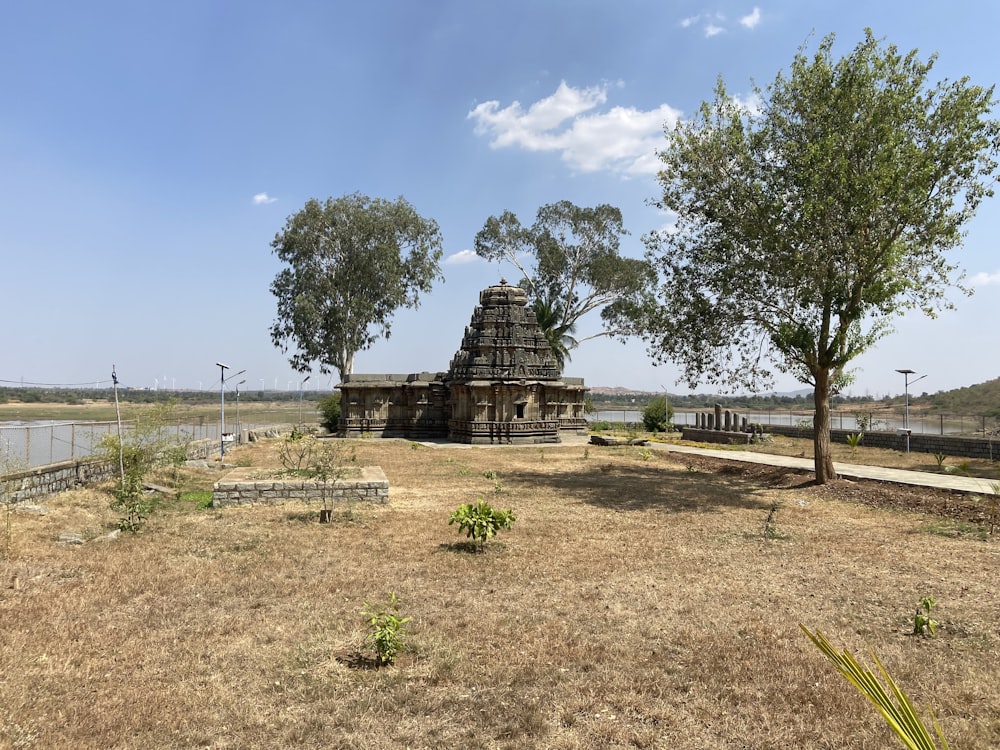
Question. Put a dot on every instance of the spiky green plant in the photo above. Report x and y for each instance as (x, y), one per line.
(894, 705)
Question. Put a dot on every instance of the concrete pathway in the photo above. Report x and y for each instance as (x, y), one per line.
(849, 471)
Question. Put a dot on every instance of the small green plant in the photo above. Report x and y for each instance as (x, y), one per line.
(497, 487)
(940, 458)
(854, 440)
(586, 453)
(963, 468)
(922, 622)
(894, 705)
(490, 474)
(386, 629)
(202, 499)
(645, 454)
(481, 521)
(600, 425)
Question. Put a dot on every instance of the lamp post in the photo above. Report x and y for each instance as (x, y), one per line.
(906, 402)
(239, 428)
(304, 381)
(222, 401)
(222, 408)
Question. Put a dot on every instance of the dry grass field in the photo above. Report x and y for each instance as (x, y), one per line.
(641, 600)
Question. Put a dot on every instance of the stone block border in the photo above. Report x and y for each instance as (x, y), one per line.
(239, 487)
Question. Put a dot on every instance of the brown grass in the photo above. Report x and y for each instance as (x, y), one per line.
(636, 603)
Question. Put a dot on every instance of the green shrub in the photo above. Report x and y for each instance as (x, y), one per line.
(481, 521)
(329, 409)
(386, 629)
(658, 415)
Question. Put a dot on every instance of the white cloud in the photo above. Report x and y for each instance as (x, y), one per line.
(985, 279)
(261, 199)
(713, 30)
(750, 21)
(622, 140)
(462, 257)
(689, 21)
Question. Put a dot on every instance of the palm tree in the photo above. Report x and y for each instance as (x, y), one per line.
(558, 332)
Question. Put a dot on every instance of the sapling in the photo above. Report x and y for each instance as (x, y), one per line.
(854, 440)
(922, 622)
(386, 629)
(481, 521)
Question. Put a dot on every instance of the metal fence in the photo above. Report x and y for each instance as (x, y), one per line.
(28, 445)
(25, 445)
(872, 421)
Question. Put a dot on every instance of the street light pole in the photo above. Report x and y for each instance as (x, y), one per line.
(239, 428)
(906, 402)
(222, 397)
(300, 399)
(222, 408)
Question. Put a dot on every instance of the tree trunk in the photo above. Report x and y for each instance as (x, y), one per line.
(821, 429)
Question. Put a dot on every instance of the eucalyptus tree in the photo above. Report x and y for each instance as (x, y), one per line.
(807, 221)
(569, 263)
(350, 263)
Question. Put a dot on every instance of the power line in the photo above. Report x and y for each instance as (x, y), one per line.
(89, 383)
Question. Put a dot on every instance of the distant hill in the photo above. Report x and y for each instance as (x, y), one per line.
(981, 399)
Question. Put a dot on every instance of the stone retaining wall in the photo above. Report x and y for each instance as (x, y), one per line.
(240, 488)
(31, 484)
(949, 445)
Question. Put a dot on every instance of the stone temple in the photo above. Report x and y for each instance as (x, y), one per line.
(503, 387)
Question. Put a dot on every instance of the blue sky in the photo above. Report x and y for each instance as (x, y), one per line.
(149, 152)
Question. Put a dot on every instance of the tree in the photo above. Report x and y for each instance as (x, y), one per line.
(658, 415)
(804, 226)
(574, 264)
(351, 263)
(558, 334)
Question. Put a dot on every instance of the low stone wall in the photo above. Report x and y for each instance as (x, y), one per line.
(31, 484)
(949, 445)
(723, 437)
(239, 487)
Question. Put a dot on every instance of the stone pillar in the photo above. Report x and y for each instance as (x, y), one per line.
(718, 417)
(729, 421)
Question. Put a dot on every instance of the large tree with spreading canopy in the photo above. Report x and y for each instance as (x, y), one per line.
(569, 263)
(350, 263)
(809, 216)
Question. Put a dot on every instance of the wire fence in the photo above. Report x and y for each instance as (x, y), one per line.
(30, 445)
(867, 421)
